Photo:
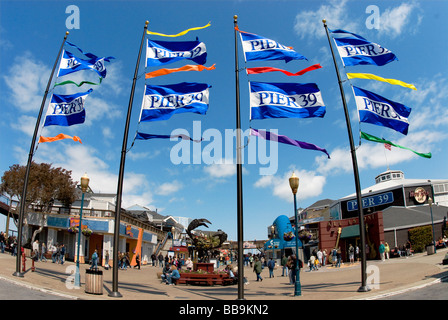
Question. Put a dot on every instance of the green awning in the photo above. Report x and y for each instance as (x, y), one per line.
(350, 232)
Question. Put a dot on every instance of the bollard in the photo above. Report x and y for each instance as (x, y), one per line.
(32, 265)
(23, 261)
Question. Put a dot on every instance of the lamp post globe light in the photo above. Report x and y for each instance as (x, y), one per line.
(294, 184)
(430, 202)
(272, 240)
(172, 236)
(84, 185)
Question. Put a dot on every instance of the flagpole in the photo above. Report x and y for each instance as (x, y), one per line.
(17, 273)
(363, 287)
(115, 292)
(239, 172)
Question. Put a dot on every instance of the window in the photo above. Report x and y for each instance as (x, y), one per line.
(440, 188)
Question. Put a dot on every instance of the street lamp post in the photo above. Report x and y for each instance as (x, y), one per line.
(172, 236)
(84, 185)
(272, 240)
(294, 184)
(430, 202)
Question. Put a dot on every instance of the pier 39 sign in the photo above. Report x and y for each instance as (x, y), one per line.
(372, 201)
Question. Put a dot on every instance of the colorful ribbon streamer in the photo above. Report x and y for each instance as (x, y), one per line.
(370, 76)
(369, 137)
(270, 69)
(189, 67)
(180, 33)
(60, 136)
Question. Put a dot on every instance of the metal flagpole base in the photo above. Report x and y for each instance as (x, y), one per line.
(364, 289)
(18, 274)
(115, 294)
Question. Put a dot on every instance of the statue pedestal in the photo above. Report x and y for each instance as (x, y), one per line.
(209, 267)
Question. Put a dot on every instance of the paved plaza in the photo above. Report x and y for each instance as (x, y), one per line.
(328, 283)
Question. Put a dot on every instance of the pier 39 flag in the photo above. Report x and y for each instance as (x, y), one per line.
(355, 50)
(66, 110)
(164, 52)
(69, 64)
(259, 48)
(161, 102)
(285, 100)
(380, 111)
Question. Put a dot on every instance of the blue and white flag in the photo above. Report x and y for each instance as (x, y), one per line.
(285, 100)
(380, 111)
(161, 102)
(355, 50)
(69, 64)
(259, 48)
(66, 110)
(164, 52)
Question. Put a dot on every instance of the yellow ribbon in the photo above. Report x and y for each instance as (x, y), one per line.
(180, 33)
(374, 77)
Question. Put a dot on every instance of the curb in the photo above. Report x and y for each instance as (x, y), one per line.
(32, 287)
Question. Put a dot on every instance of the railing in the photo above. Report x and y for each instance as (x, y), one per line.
(161, 244)
(95, 213)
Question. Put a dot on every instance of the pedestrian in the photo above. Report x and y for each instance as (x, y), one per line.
(251, 261)
(351, 253)
(258, 268)
(338, 257)
(357, 253)
(167, 259)
(319, 256)
(189, 264)
(43, 251)
(324, 257)
(386, 250)
(2, 242)
(160, 258)
(62, 254)
(173, 276)
(153, 259)
(35, 255)
(165, 272)
(284, 263)
(137, 261)
(334, 257)
(54, 253)
(106, 263)
(271, 266)
(292, 269)
(311, 263)
(381, 249)
(94, 262)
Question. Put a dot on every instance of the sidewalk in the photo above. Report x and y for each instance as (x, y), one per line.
(327, 283)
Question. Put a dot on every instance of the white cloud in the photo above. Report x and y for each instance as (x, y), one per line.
(221, 169)
(27, 80)
(396, 20)
(309, 23)
(168, 188)
(310, 185)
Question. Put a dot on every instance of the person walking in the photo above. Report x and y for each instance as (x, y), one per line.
(271, 266)
(257, 269)
(319, 257)
(338, 257)
(62, 254)
(43, 251)
(351, 254)
(284, 264)
(137, 260)
(154, 260)
(160, 258)
(386, 250)
(324, 257)
(94, 263)
(382, 249)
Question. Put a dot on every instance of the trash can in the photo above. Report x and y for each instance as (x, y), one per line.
(430, 249)
(94, 281)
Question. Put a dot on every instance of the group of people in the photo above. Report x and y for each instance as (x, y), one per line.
(57, 251)
(8, 243)
(173, 265)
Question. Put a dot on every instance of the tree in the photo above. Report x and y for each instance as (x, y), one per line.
(45, 185)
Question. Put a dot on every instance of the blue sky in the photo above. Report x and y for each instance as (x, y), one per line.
(30, 36)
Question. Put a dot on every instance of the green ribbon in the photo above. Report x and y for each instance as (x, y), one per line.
(369, 137)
